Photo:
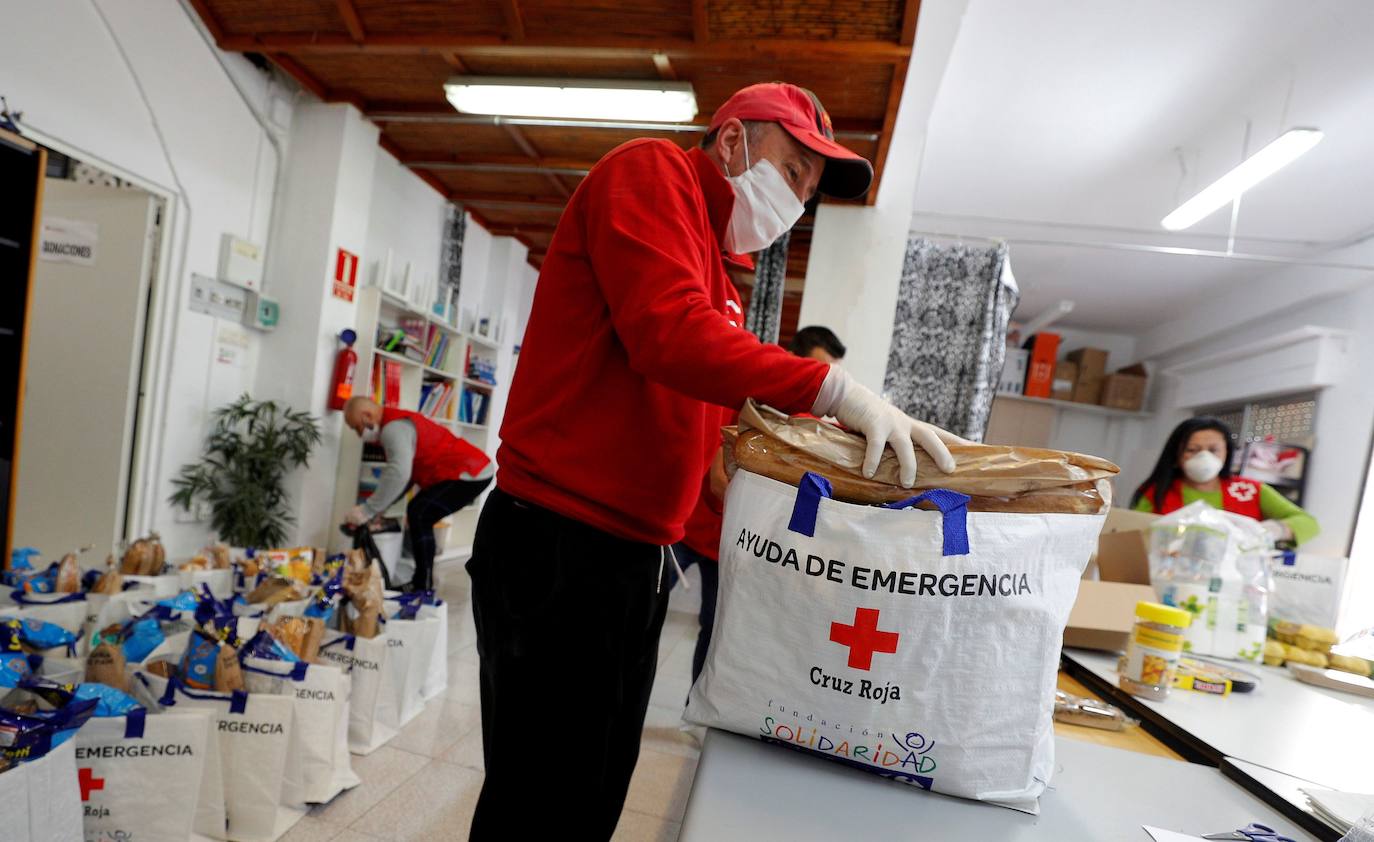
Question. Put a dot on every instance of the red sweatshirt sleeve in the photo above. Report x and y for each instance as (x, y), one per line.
(648, 237)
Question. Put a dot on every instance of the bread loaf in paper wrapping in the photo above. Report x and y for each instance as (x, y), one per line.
(999, 478)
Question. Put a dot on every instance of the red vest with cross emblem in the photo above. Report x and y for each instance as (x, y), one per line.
(1239, 496)
(439, 454)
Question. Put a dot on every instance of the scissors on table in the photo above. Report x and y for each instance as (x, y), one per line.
(1254, 832)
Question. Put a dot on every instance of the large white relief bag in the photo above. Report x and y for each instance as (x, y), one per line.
(921, 645)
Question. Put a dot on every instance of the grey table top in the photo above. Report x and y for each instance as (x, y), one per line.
(1285, 725)
(745, 789)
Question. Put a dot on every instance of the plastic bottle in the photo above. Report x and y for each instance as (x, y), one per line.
(1153, 652)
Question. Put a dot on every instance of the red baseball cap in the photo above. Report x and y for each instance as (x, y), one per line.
(846, 175)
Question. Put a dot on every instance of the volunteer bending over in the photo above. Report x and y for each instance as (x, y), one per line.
(1196, 465)
(611, 420)
(449, 471)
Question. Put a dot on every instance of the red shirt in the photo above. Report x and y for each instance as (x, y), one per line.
(439, 454)
(610, 418)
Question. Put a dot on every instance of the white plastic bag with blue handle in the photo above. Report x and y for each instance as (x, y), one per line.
(920, 645)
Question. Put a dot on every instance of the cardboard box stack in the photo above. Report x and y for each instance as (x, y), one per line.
(1092, 367)
(1125, 389)
(1104, 613)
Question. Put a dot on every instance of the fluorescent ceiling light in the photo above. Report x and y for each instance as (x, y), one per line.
(1285, 150)
(585, 99)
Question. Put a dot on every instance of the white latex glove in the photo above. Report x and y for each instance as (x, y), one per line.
(883, 424)
(357, 516)
(1278, 530)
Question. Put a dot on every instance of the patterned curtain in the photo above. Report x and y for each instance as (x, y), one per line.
(949, 334)
(765, 304)
(451, 257)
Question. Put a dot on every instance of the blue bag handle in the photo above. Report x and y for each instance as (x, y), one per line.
(238, 699)
(134, 723)
(810, 490)
(953, 508)
(20, 599)
(348, 640)
(297, 673)
(1290, 558)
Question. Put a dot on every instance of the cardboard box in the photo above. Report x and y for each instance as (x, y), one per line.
(1104, 614)
(1065, 377)
(1123, 548)
(1044, 348)
(1125, 389)
(1013, 379)
(1092, 368)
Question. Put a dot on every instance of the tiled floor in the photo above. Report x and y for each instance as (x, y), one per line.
(424, 783)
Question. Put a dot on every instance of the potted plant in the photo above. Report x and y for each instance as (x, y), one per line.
(250, 450)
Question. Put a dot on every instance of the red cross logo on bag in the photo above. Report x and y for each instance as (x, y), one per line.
(89, 783)
(863, 638)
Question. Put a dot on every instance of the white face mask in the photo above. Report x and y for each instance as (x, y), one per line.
(1202, 466)
(765, 207)
(372, 434)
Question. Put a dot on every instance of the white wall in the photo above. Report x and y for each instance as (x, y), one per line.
(497, 283)
(406, 216)
(64, 70)
(1345, 411)
(855, 266)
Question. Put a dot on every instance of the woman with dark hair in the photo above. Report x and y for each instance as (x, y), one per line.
(1196, 465)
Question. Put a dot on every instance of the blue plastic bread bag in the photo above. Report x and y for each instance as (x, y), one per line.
(264, 645)
(141, 637)
(41, 635)
(15, 667)
(35, 734)
(21, 566)
(108, 700)
(197, 668)
(325, 600)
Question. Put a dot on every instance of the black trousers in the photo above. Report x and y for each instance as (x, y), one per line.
(429, 506)
(568, 619)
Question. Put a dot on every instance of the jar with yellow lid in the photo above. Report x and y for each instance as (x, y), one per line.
(1153, 652)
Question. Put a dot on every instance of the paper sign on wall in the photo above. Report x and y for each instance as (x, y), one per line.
(69, 241)
(345, 275)
(231, 344)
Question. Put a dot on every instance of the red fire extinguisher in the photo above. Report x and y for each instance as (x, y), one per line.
(341, 384)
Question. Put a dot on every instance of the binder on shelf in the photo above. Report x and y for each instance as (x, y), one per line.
(1044, 350)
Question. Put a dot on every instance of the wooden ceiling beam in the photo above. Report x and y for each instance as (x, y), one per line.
(523, 166)
(911, 10)
(211, 21)
(301, 75)
(352, 22)
(521, 228)
(800, 51)
(894, 99)
(455, 61)
(664, 66)
(844, 129)
(528, 148)
(701, 24)
(511, 162)
(513, 200)
(515, 22)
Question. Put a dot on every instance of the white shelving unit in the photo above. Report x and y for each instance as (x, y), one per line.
(379, 307)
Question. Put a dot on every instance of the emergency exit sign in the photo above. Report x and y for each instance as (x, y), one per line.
(345, 275)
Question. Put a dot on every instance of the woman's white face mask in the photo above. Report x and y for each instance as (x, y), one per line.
(1202, 466)
(765, 207)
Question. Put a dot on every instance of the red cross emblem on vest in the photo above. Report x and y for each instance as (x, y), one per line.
(89, 783)
(863, 638)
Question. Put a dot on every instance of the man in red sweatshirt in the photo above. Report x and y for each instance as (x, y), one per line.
(613, 415)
